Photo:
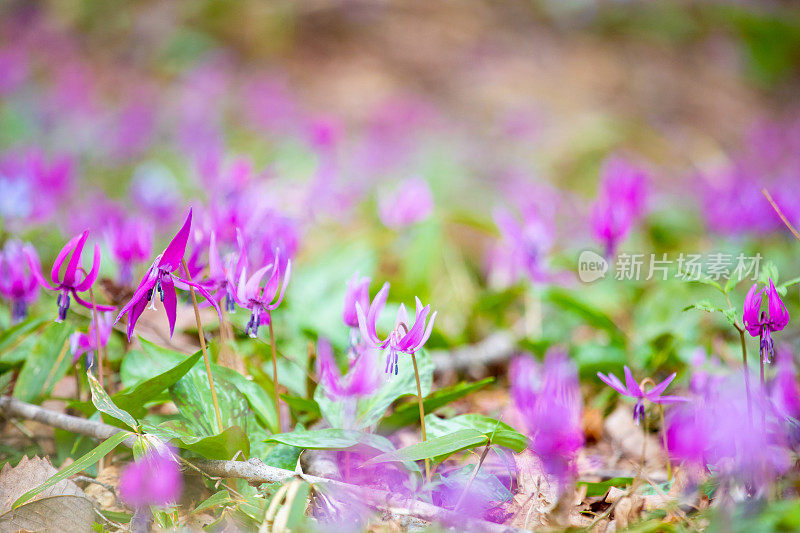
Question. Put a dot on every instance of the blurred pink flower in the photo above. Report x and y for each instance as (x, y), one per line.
(411, 201)
(620, 201)
(18, 282)
(154, 479)
(86, 343)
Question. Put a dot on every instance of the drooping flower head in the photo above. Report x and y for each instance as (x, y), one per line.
(130, 241)
(18, 283)
(548, 397)
(403, 338)
(522, 249)
(762, 323)
(357, 293)
(635, 390)
(620, 202)
(154, 479)
(161, 278)
(86, 343)
(74, 279)
(262, 300)
(410, 202)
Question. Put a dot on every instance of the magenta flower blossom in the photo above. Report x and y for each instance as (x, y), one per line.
(784, 389)
(632, 389)
(71, 282)
(360, 380)
(410, 202)
(86, 343)
(18, 283)
(718, 431)
(402, 338)
(620, 202)
(130, 241)
(357, 293)
(762, 323)
(523, 247)
(262, 300)
(222, 275)
(161, 277)
(155, 479)
(548, 396)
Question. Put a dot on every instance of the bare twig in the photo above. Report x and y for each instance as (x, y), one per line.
(494, 349)
(253, 471)
(777, 209)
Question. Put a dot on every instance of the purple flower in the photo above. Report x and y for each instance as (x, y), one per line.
(762, 323)
(86, 343)
(522, 248)
(161, 277)
(18, 282)
(71, 282)
(402, 338)
(620, 201)
(155, 479)
(410, 202)
(718, 430)
(632, 389)
(360, 380)
(357, 293)
(222, 275)
(130, 241)
(548, 396)
(262, 300)
(784, 390)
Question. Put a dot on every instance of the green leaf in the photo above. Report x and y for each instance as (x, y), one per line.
(408, 413)
(78, 466)
(599, 488)
(303, 405)
(767, 272)
(262, 404)
(500, 433)
(439, 447)
(223, 446)
(297, 512)
(710, 282)
(218, 499)
(45, 365)
(283, 456)
(134, 399)
(18, 332)
(568, 301)
(192, 396)
(332, 439)
(103, 402)
(705, 305)
(731, 284)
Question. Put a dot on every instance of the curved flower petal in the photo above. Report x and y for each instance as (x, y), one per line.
(88, 305)
(778, 314)
(375, 308)
(62, 255)
(286, 275)
(170, 302)
(173, 254)
(752, 310)
(148, 282)
(33, 263)
(661, 387)
(613, 381)
(92, 275)
(630, 383)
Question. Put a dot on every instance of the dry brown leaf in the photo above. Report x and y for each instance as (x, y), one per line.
(62, 507)
(628, 510)
(535, 496)
(628, 437)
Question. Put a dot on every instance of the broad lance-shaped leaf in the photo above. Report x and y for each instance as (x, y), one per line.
(192, 396)
(332, 439)
(133, 400)
(78, 466)
(103, 402)
(436, 448)
(45, 364)
(408, 413)
(500, 433)
(224, 446)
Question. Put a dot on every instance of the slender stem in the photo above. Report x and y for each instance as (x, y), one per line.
(275, 376)
(97, 337)
(202, 336)
(777, 209)
(746, 376)
(664, 440)
(421, 417)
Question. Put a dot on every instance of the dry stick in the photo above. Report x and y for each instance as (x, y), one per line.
(421, 417)
(203, 347)
(275, 375)
(253, 471)
(97, 337)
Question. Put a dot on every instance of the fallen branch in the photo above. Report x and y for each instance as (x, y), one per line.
(495, 349)
(253, 471)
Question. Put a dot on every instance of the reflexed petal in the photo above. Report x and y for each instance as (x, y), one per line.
(215, 267)
(170, 302)
(613, 381)
(62, 255)
(147, 283)
(33, 264)
(752, 310)
(428, 330)
(669, 399)
(92, 275)
(778, 314)
(630, 383)
(286, 275)
(252, 290)
(74, 261)
(88, 305)
(135, 312)
(173, 254)
(375, 308)
(661, 387)
(414, 335)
